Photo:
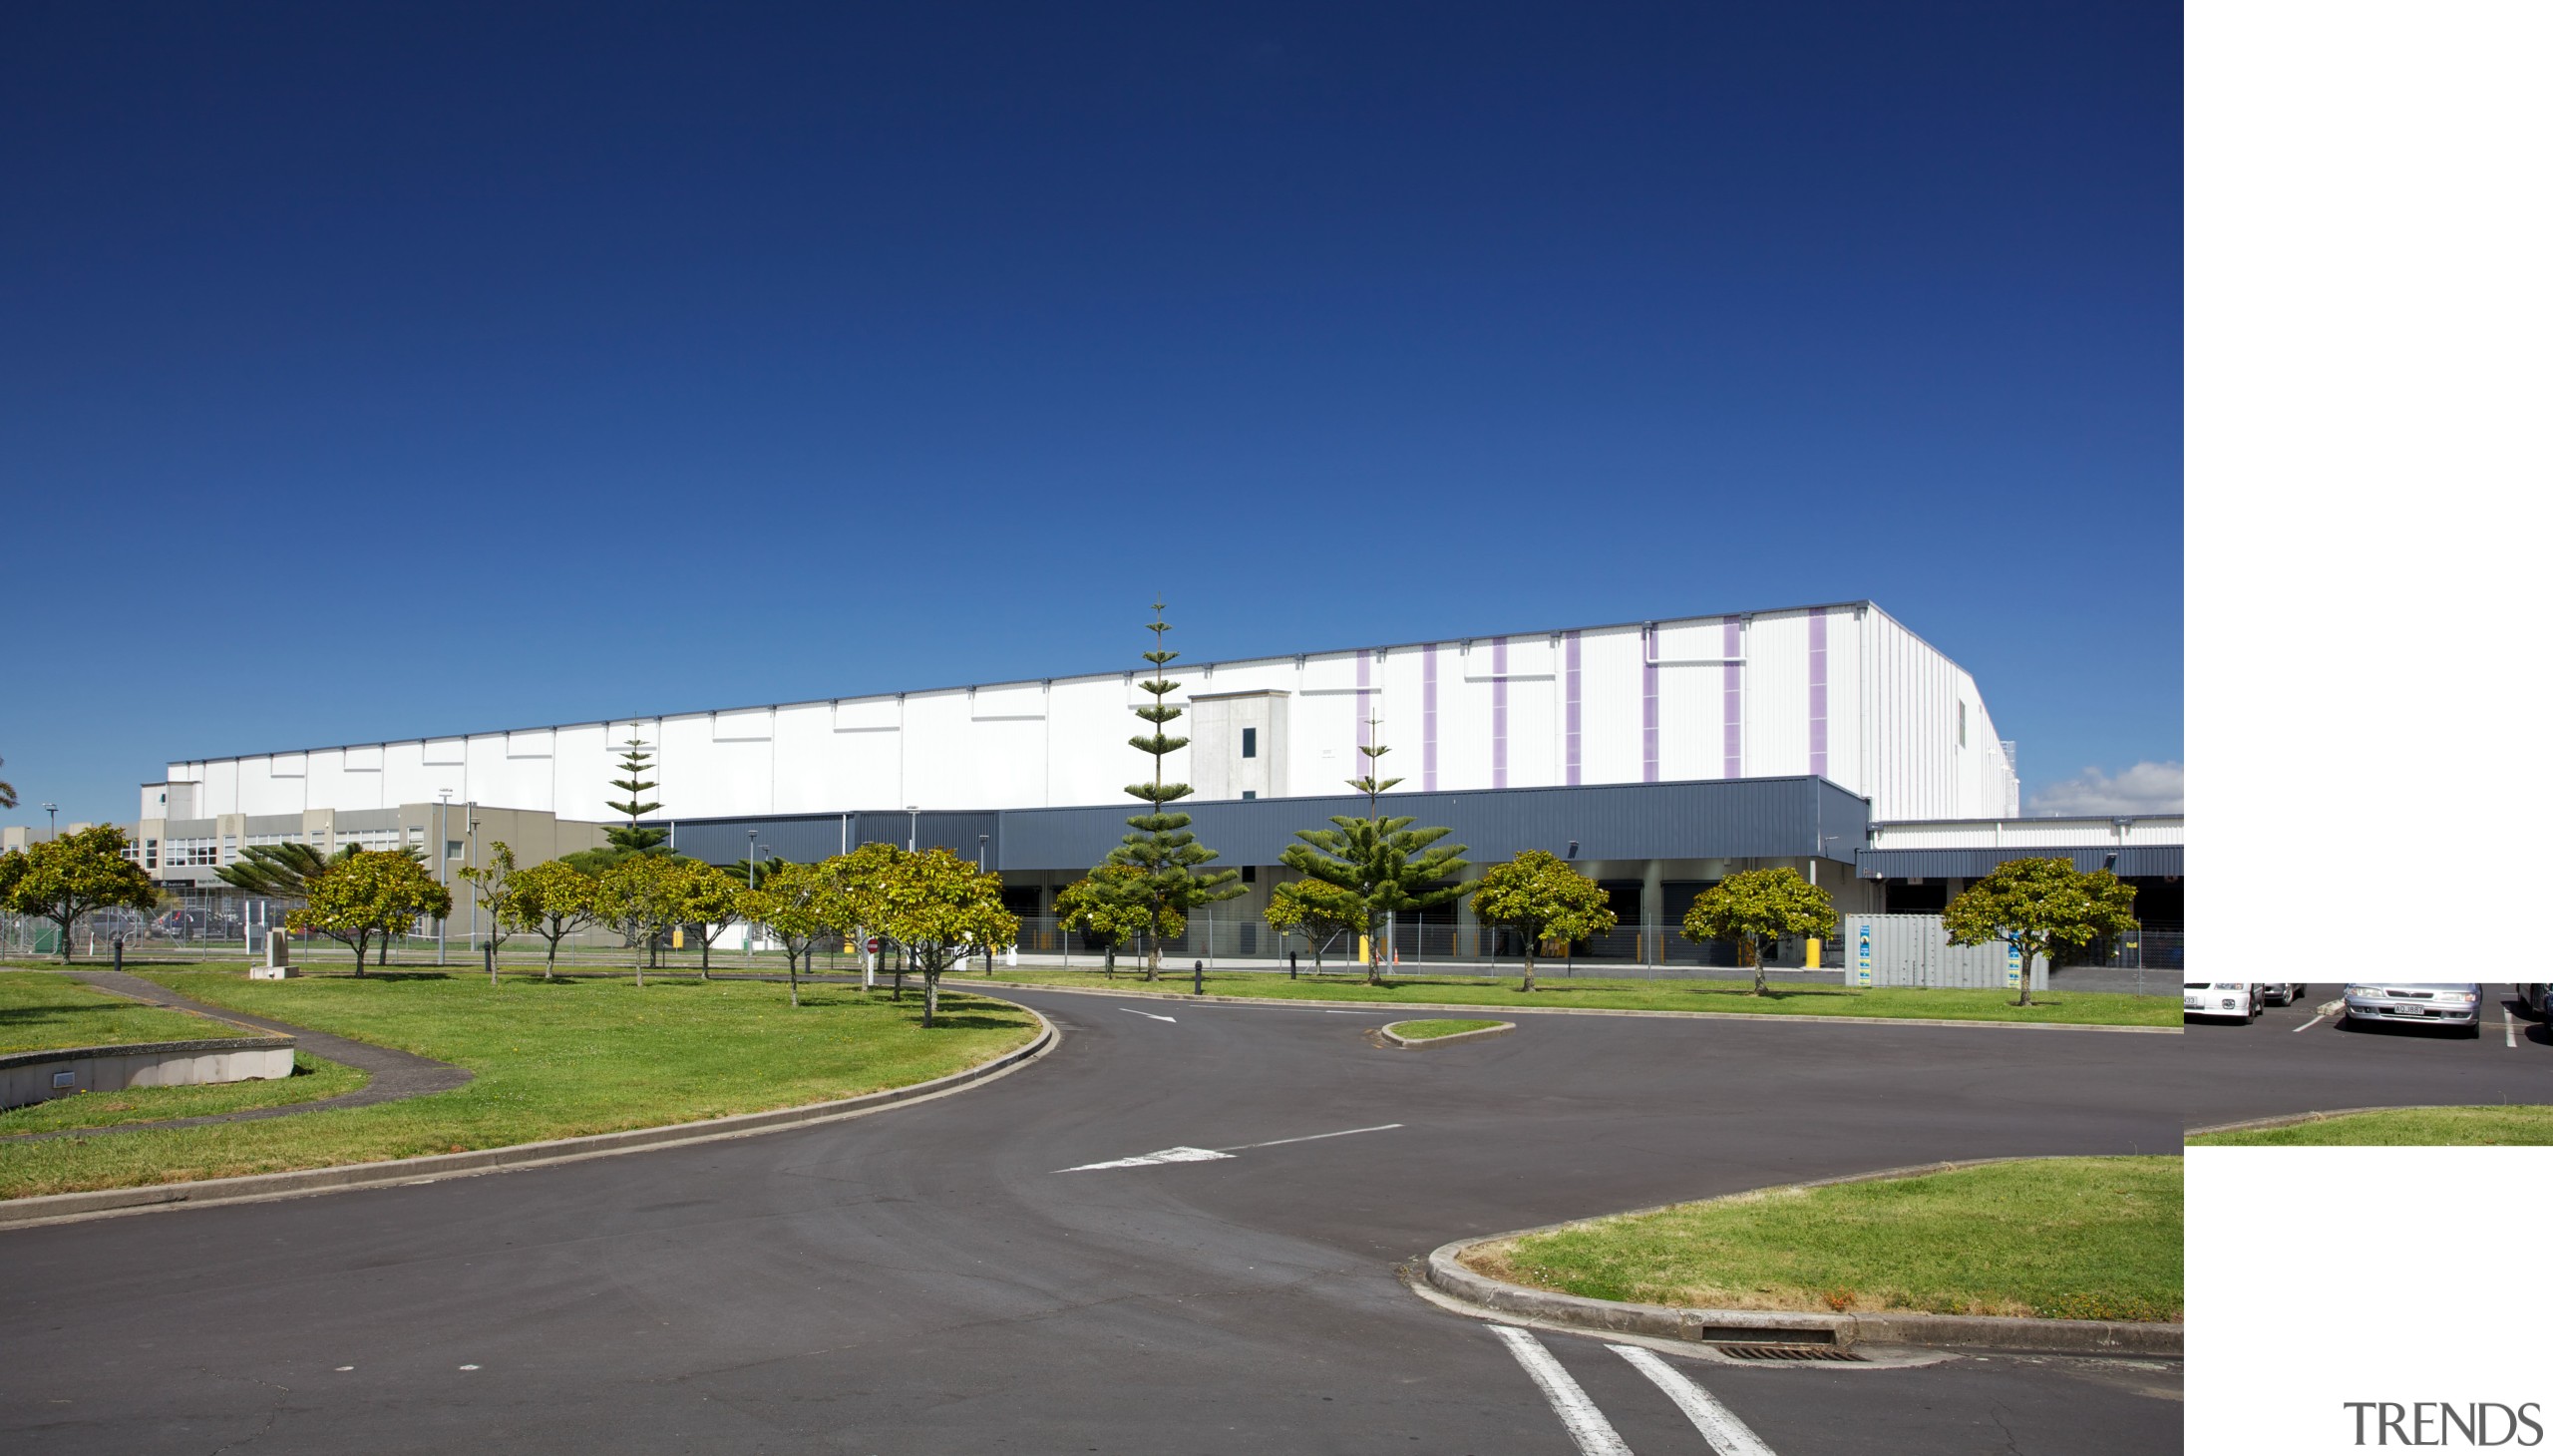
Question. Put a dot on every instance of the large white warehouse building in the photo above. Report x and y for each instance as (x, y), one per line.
(1660, 755)
(1841, 692)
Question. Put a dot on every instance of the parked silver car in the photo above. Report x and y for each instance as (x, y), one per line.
(2239, 1000)
(2458, 1006)
(2283, 992)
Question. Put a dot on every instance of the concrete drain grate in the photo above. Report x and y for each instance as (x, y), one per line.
(1786, 1351)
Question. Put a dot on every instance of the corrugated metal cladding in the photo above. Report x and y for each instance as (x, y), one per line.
(1708, 819)
(1974, 864)
(803, 838)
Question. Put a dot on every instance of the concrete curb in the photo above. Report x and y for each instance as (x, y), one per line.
(1445, 1271)
(2291, 1119)
(1388, 1006)
(1412, 1043)
(63, 1208)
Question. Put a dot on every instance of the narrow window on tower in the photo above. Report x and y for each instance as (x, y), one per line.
(1963, 724)
(1250, 743)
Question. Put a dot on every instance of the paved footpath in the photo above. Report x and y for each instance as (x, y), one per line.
(396, 1075)
(1216, 1271)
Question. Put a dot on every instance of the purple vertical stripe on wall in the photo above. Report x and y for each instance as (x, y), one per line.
(1817, 694)
(1498, 712)
(1732, 738)
(1649, 705)
(1427, 722)
(1570, 763)
(1364, 706)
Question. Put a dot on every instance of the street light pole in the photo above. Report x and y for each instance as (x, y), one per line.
(443, 865)
(912, 830)
(47, 819)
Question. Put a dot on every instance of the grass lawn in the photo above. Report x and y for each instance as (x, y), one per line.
(554, 1059)
(41, 1009)
(2098, 1008)
(2054, 1238)
(1429, 1030)
(312, 1079)
(2412, 1127)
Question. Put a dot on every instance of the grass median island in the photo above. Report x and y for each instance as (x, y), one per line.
(2051, 1238)
(553, 1059)
(2055, 1007)
(43, 1009)
(313, 1079)
(2409, 1127)
(1430, 1030)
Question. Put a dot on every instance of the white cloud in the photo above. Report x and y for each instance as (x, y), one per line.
(2147, 788)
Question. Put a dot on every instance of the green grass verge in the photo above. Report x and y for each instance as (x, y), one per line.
(2054, 1238)
(41, 1009)
(2412, 1127)
(554, 1059)
(1429, 1030)
(2081, 1008)
(313, 1079)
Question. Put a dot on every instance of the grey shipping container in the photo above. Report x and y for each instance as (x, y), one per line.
(1913, 950)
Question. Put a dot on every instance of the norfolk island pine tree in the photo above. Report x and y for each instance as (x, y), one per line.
(1382, 861)
(1161, 847)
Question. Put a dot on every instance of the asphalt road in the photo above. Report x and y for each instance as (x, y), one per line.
(927, 1281)
(2294, 1059)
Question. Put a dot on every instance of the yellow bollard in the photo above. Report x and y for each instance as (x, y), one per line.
(1816, 953)
(1365, 950)
(678, 938)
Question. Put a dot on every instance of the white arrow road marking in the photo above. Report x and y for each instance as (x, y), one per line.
(1586, 1425)
(1166, 1155)
(1206, 1155)
(1719, 1426)
(1131, 1011)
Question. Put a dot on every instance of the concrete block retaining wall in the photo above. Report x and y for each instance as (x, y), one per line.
(36, 1077)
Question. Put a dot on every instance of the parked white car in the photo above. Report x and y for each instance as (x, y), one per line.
(2239, 1000)
(2457, 1004)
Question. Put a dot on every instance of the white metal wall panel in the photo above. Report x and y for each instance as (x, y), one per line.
(1462, 720)
(1322, 752)
(1085, 754)
(531, 743)
(1776, 696)
(1691, 640)
(443, 752)
(1611, 689)
(1688, 722)
(741, 725)
(1018, 700)
(868, 715)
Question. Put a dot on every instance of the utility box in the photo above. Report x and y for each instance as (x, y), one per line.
(1913, 950)
(279, 958)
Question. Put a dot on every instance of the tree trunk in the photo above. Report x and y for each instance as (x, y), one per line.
(1531, 945)
(65, 923)
(550, 972)
(638, 960)
(793, 973)
(1758, 954)
(1110, 963)
(2026, 949)
(929, 997)
(704, 955)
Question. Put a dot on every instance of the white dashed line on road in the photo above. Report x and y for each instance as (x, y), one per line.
(1586, 1424)
(2508, 1023)
(1315, 1137)
(2310, 1025)
(1719, 1424)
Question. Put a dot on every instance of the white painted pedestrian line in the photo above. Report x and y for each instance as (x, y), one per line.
(1719, 1424)
(1586, 1424)
(1131, 1011)
(1208, 1155)
(1314, 1137)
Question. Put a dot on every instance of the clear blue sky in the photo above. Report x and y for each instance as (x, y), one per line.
(370, 371)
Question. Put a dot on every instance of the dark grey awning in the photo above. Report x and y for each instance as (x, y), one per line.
(1973, 863)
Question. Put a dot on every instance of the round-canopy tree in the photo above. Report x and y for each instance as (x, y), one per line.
(1756, 909)
(68, 876)
(1112, 904)
(1314, 909)
(369, 894)
(2036, 906)
(1538, 896)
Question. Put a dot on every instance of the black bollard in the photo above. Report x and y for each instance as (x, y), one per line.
(119, 955)
(1294, 964)
(1201, 977)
